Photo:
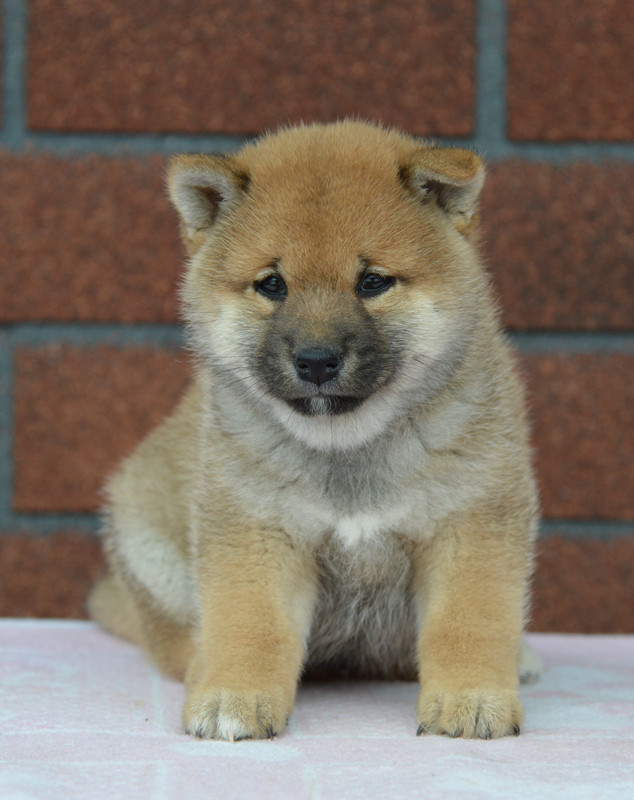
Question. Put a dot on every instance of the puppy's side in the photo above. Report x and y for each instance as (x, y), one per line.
(347, 484)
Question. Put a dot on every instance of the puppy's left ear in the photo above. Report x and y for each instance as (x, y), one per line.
(450, 177)
(204, 189)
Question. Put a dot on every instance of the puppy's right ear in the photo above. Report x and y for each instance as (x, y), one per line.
(203, 188)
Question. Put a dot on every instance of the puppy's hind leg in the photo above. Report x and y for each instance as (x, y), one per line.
(110, 603)
(529, 663)
(133, 616)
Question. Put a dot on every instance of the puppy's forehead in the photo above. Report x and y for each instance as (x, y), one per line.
(326, 199)
(317, 186)
(320, 148)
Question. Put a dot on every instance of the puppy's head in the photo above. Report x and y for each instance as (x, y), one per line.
(332, 279)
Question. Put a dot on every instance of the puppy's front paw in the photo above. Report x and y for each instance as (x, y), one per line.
(234, 714)
(470, 713)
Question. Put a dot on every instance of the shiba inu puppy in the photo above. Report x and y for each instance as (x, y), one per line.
(347, 484)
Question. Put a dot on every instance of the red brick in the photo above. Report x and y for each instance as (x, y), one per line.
(244, 66)
(584, 585)
(78, 411)
(86, 239)
(571, 71)
(583, 414)
(48, 577)
(560, 241)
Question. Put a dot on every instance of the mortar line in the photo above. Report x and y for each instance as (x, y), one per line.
(592, 342)
(15, 14)
(494, 148)
(168, 334)
(490, 78)
(48, 523)
(120, 143)
(560, 153)
(86, 334)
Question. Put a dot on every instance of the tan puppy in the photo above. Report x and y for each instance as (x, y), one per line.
(347, 485)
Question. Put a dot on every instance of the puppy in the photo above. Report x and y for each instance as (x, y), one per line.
(347, 485)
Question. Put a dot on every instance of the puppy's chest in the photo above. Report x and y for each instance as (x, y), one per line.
(355, 529)
(355, 504)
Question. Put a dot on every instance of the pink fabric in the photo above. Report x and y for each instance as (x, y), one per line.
(85, 716)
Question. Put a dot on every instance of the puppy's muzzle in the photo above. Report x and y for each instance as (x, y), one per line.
(317, 365)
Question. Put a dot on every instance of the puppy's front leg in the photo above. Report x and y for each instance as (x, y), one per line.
(471, 582)
(257, 593)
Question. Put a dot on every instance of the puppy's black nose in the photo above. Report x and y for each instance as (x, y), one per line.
(317, 364)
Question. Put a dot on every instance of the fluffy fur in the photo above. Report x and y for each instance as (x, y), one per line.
(347, 486)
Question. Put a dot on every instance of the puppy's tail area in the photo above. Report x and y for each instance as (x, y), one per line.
(529, 663)
(111, 605)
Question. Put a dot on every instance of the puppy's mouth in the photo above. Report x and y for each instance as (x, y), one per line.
(325, 405)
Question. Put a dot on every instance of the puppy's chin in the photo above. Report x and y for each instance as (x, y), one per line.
(325, 405)
(344, 430)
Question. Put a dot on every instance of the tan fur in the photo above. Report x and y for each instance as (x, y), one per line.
(267, 527)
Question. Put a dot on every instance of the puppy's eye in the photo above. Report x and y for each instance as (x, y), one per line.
(372, 284)
(272, 287)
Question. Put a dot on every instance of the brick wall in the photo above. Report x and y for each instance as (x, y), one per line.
(96, 94)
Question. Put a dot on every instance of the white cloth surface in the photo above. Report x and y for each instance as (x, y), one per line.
(84, 716)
